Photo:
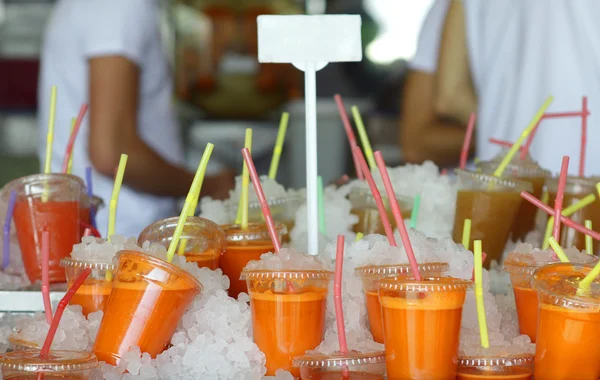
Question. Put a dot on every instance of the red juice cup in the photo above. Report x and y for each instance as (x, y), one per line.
(288, 313)
(46, 202)
(569, 324)
(365, 207)
(352, 365)
(148, 299)
(93, 294)
(244, 246)
(205, 240)
(421, 326)
(372, 274)
(510, 367)
(27, 365)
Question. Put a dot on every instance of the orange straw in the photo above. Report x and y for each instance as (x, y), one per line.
(464, 153)
(349, 132)
(560, 192)
(46, 275)
(389, 189)
(337, 294)
(377, 196)
(73, 136)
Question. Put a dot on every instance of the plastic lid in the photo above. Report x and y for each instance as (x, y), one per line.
(429, 284)
(558, 283)
(33, 184)
(289, 199)
(363, 198)
(338, 360)
(286, 274)
(254, 232)
(527, 263)
(400, 269)
(478, 181)
(57, 361)
(518, 167)
(574, 185)
(195, 228)
(16, 340)
(72, 263)
(495, 361)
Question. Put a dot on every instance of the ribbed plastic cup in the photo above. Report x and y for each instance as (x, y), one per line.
(511, 367)
(352, 365)
(27, 365)
(365, 207)
(93, 294)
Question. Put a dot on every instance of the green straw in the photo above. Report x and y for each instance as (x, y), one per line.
(415, 211)
(321, 203)
(359, 236)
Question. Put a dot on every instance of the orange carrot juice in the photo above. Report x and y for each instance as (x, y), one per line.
(421, 326)
(352, 365)
(510, 367)
(93, 293)
(27, 365)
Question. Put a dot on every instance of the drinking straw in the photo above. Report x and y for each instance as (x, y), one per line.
(359, 236)
(466, 235)
(584, 285)
(545, 196)
(194, 188)
(9, 214)
(560, 193)
(50, 136)
(377, 196)
(589, 247)
(262, 200)
(506, 144)
(74, 131)
(70, 157)
(414, 216)
(242, 214)
(483, 330)
(90, 194)
(337, 294)
(572, 209)
(364, 138)
(558, 250)
(321, 201)
(46, 275)
(513, 150)
(359, 173)
(349, 132)
(444, 171)
(582, 151)
(283, 123)
(94, 232)
(464, 153)
(45, 351)
(87, 232)
(114, 199)
(397, 215)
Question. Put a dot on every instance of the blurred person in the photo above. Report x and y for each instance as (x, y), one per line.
(112, 55)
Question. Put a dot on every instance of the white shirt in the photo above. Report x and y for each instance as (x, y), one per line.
(522, 51)
(79, 30)
(426, 56)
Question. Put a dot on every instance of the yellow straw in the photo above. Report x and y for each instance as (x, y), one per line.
(548, 233)
(515, 148)
(589, 244)
(50, 136)
(114, 199)
(545, 197)
(572, 209)
(558, 250)
(466, 235)
(243, 205)
(279, 145)
(584, 285)
(483, 330)
(70, 164)
(598, 188)
(359, 236)
(364, 138)
(194, 189)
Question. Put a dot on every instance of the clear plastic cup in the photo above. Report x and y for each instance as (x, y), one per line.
(205, 239)
(148, 299)
(365, 207)
(27, 365)
(372, 274)
(510, 367)
(46, 202)
(244, 246)
(421, 326)
(288, 313)
(569, 324)
(353, 365)
(492, 204)
(521, 267)
(19, 344)
(93, 294)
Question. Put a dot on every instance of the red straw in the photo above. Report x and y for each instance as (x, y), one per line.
(262, 200)
(337, 294)
(359, 173)
(444, 171)
(377, 196)
(87, 232)
(60, 310)
(349, 132)
(397, 215)
(584, 116)
(506, 144)
(94, 232)
(71, 142)
(46, 275)
(464, 153)
(560, 193)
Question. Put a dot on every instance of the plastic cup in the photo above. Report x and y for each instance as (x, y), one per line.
(569, 324)
(577, 188)
(148, 299)
(521, 267)
(353, 365)
(365, 207)
(421, 326)
(27, 365)
(492, 204)
(85, 207)
(244, 246)
(288, 313)
(93, 294)
(46, 202)
(372, 274)
(205, 239)
(512, 367)
(19, 344)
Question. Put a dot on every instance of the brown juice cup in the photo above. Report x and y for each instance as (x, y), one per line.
(353, 365)
(93, 294)
(365, 207)
(510, 367)
(27, 365)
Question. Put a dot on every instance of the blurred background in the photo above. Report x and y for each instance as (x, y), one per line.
(221, 89)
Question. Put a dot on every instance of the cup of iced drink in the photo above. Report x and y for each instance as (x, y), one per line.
(87, 207)
(283, 210)
(59, 365)
(244, 246)
(569, 324)
(577, 188)
(365, 207)
(46, 202)
(353, 365)
(148, 299)
(205, 240)
(370, 275)
(93, 294)
(500, 367)
(521, 265)
(421, 326)
(492, 204)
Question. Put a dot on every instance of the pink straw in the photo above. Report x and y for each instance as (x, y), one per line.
(464, 153)
(87, 232)
(349, 132)
(397, 215)
(503, 143)
(377, 196)
(444, 171)
(560, 193)
(71, 142)
(337, 294)
(46, 275)
(262, 200)
(584, 116)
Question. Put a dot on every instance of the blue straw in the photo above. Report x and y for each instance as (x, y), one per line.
(90, 194)
(9, 214)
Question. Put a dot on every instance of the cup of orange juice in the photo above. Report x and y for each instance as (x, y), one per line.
(148, 299)
(371, 274)
(338, 366)
(93, 294)
(495, 367)
(21, 365)
(421, 326)
(569, 324)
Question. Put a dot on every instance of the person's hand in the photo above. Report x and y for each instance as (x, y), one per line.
(218, 186)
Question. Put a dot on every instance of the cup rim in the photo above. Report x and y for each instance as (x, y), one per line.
(431, 284)
(362, 193)
(171, 222)
(59, 361)
(525, 169)
(69, 262)
(253, 233)
(264, 274)
(399, 269)
(562, 299)
(22, 181)
(296, 197)
(496, 360)
(338, 359)
(586, 184)
(514, 184)
(16, 340)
